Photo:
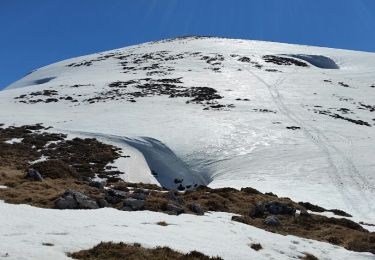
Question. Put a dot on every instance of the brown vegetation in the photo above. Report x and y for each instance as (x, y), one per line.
(113, 251)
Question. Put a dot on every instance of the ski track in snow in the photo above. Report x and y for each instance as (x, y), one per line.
(339, 164)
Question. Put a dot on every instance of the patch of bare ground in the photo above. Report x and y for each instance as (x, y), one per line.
(115, 251)
(21, 190)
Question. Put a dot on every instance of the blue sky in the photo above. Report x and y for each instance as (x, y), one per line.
(35, 33)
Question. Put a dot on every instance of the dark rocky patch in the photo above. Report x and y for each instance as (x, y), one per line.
(344, 85)
(279, 60)
(367, 107)
(337, 116)
(170, 87)
(248, 60)
(44, 96)
(293, 127)
(264, 110)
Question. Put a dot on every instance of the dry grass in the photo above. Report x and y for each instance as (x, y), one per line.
(117, 251)
(40, 194)
(162, 223)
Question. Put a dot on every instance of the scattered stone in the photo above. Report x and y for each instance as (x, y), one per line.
(103, 203)
(75, 200)
(173, 196)
(279, 60)
(272, 221)
(97, 184)
(175, 209)
(256, 246)
(276, 208)
(344, 84)
(134, 204)
(293, 127)
(258, 210)
(34, 175)
(138, 195)
(197, 209)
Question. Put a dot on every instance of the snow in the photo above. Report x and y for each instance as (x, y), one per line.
(3, 187)
(212, 234)
(41, 159)
(327, 161)
(14, 141)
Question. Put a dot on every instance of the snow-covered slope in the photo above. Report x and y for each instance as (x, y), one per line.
(295, 120)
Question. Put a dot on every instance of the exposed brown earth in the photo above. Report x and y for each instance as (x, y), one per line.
(113, 251)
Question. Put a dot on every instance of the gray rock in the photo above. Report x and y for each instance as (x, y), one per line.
(75, 200)
(97, 184)
(272, 221)
(66, 203)
(102, 203)
(257, 211)
(115, 196)
(175, 209)
(84, 202)
(276, 208)
(138, 196)
(134, 204)
(118, 193)
(127, 208)
(174, 197)
(34, 175)
(197, 209)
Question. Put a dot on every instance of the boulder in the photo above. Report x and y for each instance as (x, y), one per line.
(134, 204)
(34, 175)
(175, 209)
(118, 193)
(115, 196)
(197, 209)
(138, 196)
(258, 210)
(75, 200)
(275, 208)
(172, 195)
(272, 221)
(102, 203)
(67, 202)
(97, 184)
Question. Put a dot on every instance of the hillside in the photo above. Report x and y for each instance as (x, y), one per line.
(297, 121)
